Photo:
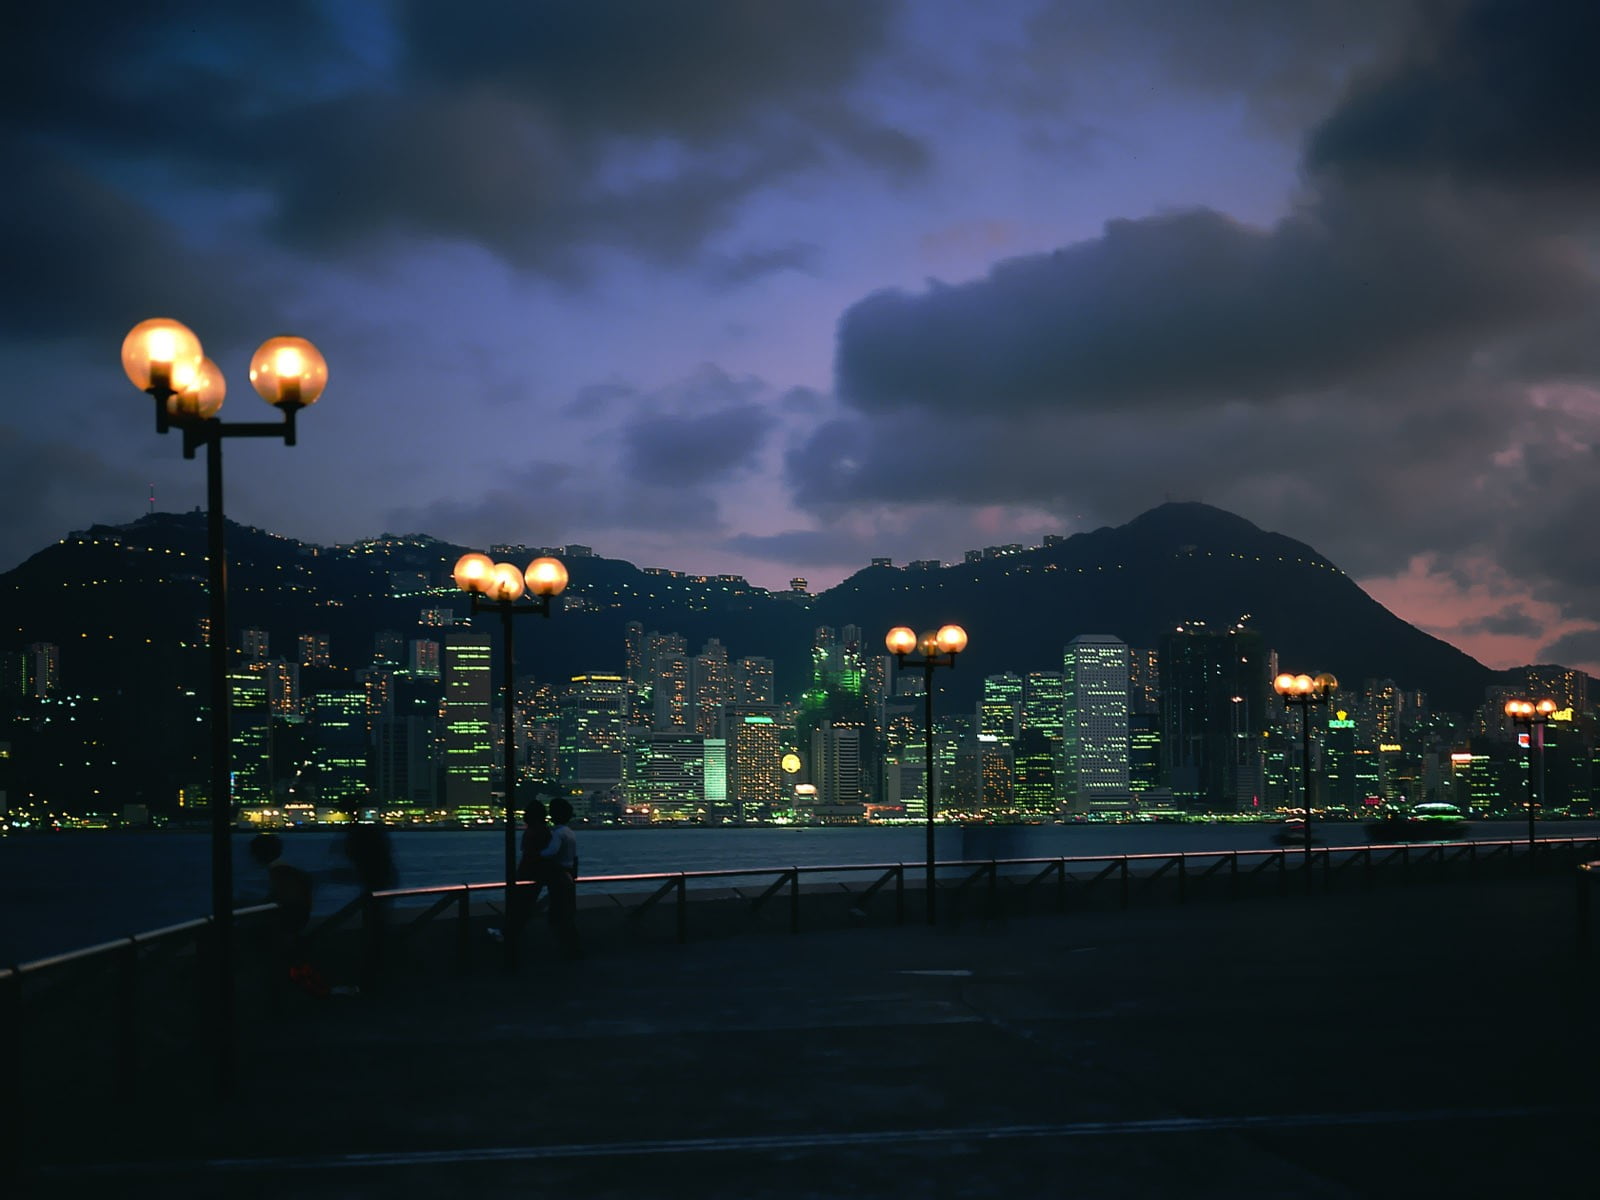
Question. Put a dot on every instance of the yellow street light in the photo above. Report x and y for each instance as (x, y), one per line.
(939, 649)
(164, 359)
(496, 587)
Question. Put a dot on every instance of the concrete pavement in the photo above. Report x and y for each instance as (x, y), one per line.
(1429, 1039)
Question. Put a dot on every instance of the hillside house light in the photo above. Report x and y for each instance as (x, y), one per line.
(496, 587)
(939, 648)
(164, 359)
(1531, 714)
(1305, 692)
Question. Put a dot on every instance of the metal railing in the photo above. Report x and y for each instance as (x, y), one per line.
(1004, 884)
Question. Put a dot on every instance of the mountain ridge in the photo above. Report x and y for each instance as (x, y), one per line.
(1182, 561)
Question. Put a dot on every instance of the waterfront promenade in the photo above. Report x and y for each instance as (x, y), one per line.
(1430, 1039)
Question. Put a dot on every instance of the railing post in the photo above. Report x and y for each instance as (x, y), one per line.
(1183, 878)
(12, 1111)
(1233, 875)
(1327, 868)
(1061, 885)
(1585, 915)
(1124, 881)
(463, 931)
(683, 908)
(991, 891)
(1283, 871)
(794, 900)
(128, 1018)
(899, 893)
(1366, 867)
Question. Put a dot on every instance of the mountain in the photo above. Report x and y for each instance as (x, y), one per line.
(125, 603)
(1179, 562)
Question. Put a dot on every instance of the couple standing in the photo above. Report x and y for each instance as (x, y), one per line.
(549, 862)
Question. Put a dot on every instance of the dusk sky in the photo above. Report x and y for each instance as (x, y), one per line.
(772, 288)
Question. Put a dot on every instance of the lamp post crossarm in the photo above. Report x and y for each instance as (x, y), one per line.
(213, 429)
(504, 608)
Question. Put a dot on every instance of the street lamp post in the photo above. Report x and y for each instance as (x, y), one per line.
(496, 587)
(1531, 714)
(939, 649)
(163, 358)
(1303, 692)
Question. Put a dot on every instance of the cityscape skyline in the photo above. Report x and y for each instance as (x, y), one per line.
(779, 289)
(360, 682)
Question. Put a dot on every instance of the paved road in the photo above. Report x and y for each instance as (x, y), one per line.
(1424, 1040)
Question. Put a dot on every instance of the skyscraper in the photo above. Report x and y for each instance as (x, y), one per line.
(591, 737)
(754, 763)
(1213, 717)
(712, 686)
(1000, 709)
(1094, 672)
(339, 738)
(468, 754)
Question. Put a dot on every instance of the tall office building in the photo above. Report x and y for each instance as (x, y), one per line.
(711, 687)
(1214, 714)
(1144, 680)
(982, 777)
(250, 731)
(423, 656)
(1568, 688)
(1000, 709)
(754, 742)
(256, 643)
(42, 670)
(1044, 703)
(282, 682)
(591, 738)
(468, 752)
(753, 681)
(664, 776)
(1094, 672)
(406, 771)
(315, 650)
(339, 741)
(835, 766)
(669, 682)
(1034, 773)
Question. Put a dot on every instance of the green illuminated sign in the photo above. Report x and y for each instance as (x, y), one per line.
(1338, 724)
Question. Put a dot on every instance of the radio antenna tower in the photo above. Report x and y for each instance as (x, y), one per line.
(152, 499)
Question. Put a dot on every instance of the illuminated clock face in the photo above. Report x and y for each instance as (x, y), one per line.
(791, 763)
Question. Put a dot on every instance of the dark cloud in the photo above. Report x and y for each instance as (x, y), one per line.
(49, 487)
(86, 259)
(538, 131)
(1579, 646)
(693, 450)
(1511, 621)
(735, 270)
(1285, 62)
(851, 538)
(547, 501)
(1499, 92)
(697, 69)
(1195, 307)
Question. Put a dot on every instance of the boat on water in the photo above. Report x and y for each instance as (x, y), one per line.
(1430, 822)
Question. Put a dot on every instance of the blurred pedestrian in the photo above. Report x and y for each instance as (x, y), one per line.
(561, 853)
(366, 847)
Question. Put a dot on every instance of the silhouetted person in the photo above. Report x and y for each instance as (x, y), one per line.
(533, 870)
(289, 888)
(561, 853)
(366, 846)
